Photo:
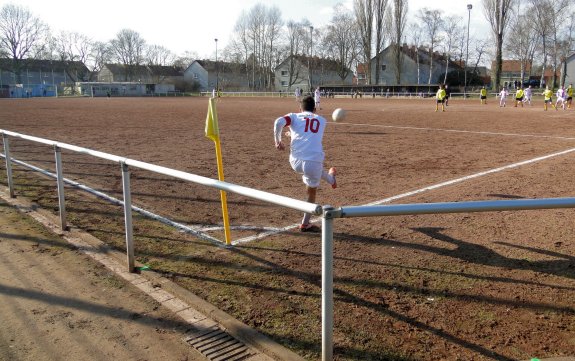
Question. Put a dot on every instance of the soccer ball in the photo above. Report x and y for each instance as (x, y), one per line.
(338, 115)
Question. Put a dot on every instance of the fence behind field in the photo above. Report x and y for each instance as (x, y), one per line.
(328, 213)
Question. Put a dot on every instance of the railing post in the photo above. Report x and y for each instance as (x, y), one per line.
(327, 285)
(128, 216)
(8, 165)
(60, 183)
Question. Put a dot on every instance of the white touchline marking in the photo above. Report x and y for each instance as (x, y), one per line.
(461, 131)
(421, 190)
(472, 176)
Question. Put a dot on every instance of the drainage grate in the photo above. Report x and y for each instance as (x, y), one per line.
(218, 345)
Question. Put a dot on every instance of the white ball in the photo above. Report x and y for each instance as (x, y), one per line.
(338, 115)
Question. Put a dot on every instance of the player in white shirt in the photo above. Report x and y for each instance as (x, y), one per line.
(298, 94)
(527, 94)
(306, 155)
(316, 98)
(502, 97)
(560, 98)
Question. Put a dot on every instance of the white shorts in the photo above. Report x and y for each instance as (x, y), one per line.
(311, 171)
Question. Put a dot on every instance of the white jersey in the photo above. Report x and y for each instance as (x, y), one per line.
(503, 94)
(306, 130)
(528, 93)
(560, 94)
(316, 96)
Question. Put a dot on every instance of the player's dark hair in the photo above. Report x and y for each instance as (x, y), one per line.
(308, 104)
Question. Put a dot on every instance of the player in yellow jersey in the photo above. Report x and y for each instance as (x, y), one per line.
(483, 95)
(519, 96)
(440, 98)
(569, 96)
(548, 94)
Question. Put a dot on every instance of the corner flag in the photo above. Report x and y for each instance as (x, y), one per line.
(213, 133)
(212, 128)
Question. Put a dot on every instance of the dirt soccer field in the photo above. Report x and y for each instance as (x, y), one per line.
(483, 286)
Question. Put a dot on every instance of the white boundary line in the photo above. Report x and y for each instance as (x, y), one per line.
(461, 131)
(421, 190)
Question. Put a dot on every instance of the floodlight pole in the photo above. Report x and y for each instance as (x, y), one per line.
(217, 70)
(310, 60)
(469, 7)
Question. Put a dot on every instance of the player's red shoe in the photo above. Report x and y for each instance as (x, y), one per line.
(333, 172)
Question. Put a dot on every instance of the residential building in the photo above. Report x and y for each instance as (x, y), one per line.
(294, 72)
(570, 71)
(209, 75)
(145, 74)
(361, 74)
(415, 66)
(511, 74)
(31, 77)
(31, 71)
(123, 89)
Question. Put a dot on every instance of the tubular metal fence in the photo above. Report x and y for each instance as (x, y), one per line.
(328, 213)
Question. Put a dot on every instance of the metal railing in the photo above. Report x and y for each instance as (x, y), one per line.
(328, 213)
(125, 163)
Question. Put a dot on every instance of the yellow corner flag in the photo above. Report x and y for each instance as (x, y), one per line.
(213, 133)
(212, 128)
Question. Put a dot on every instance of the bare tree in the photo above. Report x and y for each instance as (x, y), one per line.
(295, 45)
(99, 55)
(364, 16)
(256, 36)
(400, 8)
(567, 45)
(20, 33)
(416, 36)
(480, 49)
(541, 21)
(557, 9)
(522, 48)
(432, 24)
(453, 32)
(73, 46)
(159, 55)
(128, 49)
(379, 9)
(73, 49)
(271, 37)
(185, 59)
(240, 42)
(498, 13)
(341, 41)
(551, 15)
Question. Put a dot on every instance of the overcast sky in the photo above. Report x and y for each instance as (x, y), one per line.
(182, 25)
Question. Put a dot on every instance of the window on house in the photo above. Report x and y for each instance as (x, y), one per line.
(284, 83)
(285, 73)
(196, 76)
(383, 67)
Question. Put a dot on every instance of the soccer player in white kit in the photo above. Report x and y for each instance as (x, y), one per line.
(560, 98)
(306, 155)
(297, 94)
(316, 98)
(527, 95)
(502, 97)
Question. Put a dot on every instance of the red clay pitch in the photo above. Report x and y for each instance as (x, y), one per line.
(497, 285)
